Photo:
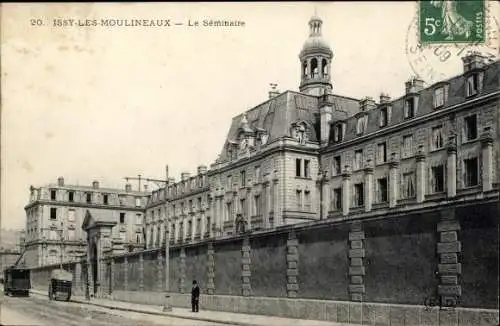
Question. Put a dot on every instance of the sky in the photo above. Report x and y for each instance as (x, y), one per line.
(102, 103)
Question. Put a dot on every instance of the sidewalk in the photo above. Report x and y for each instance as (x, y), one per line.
(204, 315)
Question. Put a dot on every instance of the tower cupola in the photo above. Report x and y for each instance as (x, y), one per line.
(315, 59)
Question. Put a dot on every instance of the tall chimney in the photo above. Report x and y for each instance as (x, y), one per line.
(414, 85)
(60, 181)
(384, 98)
(474, 60)
(274, 91)
(367, 104)
(185, 176)
(202, 169)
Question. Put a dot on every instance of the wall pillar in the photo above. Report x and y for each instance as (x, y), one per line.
(420, 176)
(487, 159)
(111, 274)
(346, 191)
(451, 168)
(210, 269)
(141, 272)
(325, 196)
(292, 268)
(125, 273)
(448, 250)
(356, 257)
(78, 278)
(246, 286)
(277, 215)
(160, 269)
(182, 267)
(368, 187)
(393, 181)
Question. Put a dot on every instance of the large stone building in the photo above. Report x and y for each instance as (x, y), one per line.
(310, 155)
(56, 212)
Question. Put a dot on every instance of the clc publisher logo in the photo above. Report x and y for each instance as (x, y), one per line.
(452, 21)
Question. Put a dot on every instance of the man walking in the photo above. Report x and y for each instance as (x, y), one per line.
(195, 297)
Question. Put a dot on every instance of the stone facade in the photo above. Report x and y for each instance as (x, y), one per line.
(56, 210)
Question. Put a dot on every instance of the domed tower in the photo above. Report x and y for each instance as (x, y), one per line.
(315, 59)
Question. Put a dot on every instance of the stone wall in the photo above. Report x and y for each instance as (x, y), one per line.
(450, 254)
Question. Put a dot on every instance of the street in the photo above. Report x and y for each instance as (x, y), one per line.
(38, 310)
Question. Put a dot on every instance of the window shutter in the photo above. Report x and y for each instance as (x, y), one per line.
(433, 180)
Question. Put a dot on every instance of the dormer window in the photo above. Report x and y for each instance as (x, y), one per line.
(361, 124)
(439, 97)
(384, 116)
(410, 107)
(474, 83)
(338, 132)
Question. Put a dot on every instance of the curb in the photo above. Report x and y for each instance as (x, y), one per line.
(164, 314)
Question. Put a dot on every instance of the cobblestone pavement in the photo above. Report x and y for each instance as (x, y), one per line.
(39, 311)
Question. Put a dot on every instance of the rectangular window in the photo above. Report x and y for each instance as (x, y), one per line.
(338, 132)
(382, 190)
(138, 219)
(190, 228)
(306, 169)
(71, 215)
(358, 159)
(307, 201)
(381, 153)
(243, 178)
(190, 205)
(471, 172)
(182, 208)
(437, 179)
(473, 84)
(408, 185)
(89, 198)
(137, 202)
(358, 195)
(470, 127)
(384, 117)
(181, 231)
(199, 203)
(71, 196)
(53, 195)
(71, 234)
(105, 199)
(360, 125)
(438, 97)
(298, 199)
(258, 177)
(53, 213)
(336, 166)
(229, 211)
(298, 167)
(437, 137)
(337, 198)
(122, 218)
(229, 182)
(243, 207)
(257, 205)
(407, 146)
(409, 108)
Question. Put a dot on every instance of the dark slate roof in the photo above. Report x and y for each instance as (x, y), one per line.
(276, 115)
(456, 94)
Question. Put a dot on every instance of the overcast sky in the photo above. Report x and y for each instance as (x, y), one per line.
(102, 103)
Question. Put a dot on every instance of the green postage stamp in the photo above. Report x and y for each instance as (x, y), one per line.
(452, 21)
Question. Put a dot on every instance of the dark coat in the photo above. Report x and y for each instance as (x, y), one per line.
(195, 292)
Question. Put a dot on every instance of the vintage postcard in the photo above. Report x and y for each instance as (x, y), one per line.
(250, 163)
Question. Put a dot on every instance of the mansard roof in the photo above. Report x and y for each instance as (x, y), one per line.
(456, 95)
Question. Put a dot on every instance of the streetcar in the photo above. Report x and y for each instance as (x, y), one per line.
(17, 281)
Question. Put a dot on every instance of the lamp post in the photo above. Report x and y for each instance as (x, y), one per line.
(166, 305)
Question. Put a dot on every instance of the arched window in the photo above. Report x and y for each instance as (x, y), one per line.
(304, 69)
(324, 66)
(314, 68)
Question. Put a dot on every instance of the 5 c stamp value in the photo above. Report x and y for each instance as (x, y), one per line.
(451, 21)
